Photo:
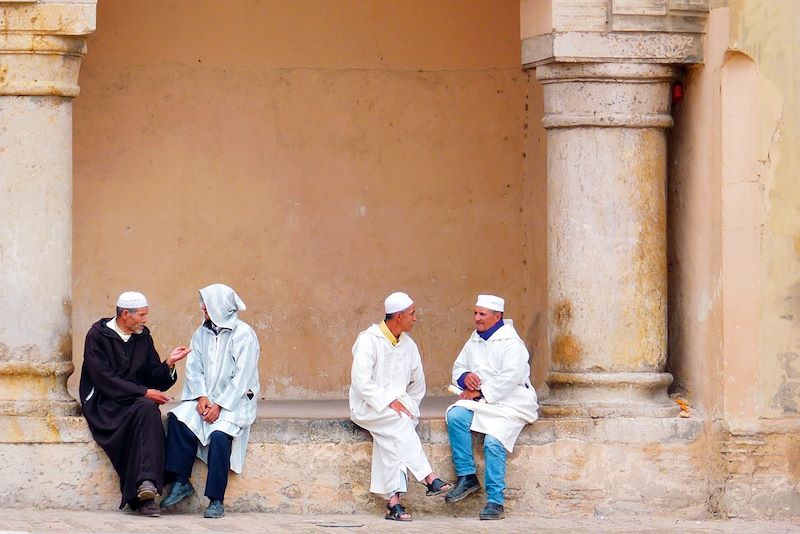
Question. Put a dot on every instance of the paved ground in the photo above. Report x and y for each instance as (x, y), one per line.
(117, 522)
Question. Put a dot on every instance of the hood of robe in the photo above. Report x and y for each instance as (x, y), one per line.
(222, 304)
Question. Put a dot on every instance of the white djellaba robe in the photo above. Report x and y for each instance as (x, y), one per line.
(224, 368)
(380, 374)
(501, 362)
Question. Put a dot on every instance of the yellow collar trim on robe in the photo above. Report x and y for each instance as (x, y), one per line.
(388, 334)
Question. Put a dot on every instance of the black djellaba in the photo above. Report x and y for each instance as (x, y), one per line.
(127, 426)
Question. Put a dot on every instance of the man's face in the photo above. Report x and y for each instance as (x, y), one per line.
(485, 318)
(133, 323)
(407, 318)
(205, 312)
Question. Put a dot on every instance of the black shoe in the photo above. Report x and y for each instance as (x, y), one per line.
(464, 486)
(177, 493)
(146, 491)
(149, 508)
(492, 511)
(215, 510)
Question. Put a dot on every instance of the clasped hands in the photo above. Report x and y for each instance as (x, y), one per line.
(473, 383)
(208, 411)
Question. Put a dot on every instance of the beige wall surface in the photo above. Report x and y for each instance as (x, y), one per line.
(735, 217)
(766, 32)
(694, 226)
(315, 156)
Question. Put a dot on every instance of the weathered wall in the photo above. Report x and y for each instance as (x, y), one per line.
(694, 229)
(735, 217)
(734, 254)
(766, 32)
(313, 157)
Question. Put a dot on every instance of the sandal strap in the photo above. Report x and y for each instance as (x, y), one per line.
(397, 510)
(436, 484)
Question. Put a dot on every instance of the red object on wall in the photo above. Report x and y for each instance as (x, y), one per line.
(677, 92)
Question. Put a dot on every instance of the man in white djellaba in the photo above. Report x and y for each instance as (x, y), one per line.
(218, 402)
(387, 385)
(497, 400)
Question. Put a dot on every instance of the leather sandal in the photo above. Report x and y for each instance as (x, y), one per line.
(397, 513)
(437, 487)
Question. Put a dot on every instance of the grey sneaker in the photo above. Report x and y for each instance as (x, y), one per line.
(146, 491)
(215, 510)
(177, 493)
(149, 508)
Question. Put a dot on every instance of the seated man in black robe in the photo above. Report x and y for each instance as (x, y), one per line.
(121, 388)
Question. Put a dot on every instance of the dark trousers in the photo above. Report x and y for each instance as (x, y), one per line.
(181, 449)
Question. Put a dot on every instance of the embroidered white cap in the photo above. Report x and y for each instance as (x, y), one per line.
(491, 302)
(131, 300)
(396, 302)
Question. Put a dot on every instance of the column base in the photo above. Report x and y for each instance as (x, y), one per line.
(608, 395)
(36, 389)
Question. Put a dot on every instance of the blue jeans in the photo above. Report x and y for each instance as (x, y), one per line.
(458, 422)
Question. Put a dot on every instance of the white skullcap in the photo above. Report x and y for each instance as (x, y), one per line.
(491, 302)
(396, 302)
(131, 300)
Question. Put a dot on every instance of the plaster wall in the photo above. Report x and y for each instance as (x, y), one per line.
(735, 217)
(694, 229)
(313, 156)
(761, 211)
(765, 32)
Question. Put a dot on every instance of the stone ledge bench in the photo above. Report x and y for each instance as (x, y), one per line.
(308, 457)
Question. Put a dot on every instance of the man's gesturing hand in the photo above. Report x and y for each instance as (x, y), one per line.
(397, 406)
(156, 396)
(176, 355)
(472, 381)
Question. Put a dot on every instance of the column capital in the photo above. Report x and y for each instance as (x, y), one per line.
(635, 31)
(614, 95)
(612, 47)
(41, 46)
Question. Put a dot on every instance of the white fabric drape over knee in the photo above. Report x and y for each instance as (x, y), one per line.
(396, 447)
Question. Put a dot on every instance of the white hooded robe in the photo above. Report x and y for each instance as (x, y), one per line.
(224, 368)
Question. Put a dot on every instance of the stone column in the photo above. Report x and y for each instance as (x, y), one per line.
(606, 110)
(41, 46)
(606, 150)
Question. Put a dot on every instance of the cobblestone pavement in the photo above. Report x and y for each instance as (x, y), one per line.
(120, 522)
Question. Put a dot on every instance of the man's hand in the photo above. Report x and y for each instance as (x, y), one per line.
(176, 355)
(212, 414)
(397, 406)
(469, 394)
(156, 396)
(202, 406)
(472, 381)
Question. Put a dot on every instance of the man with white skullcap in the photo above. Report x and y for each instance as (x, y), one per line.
(219, 400)
(387, 385)
(121, 388)
(497, 400)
